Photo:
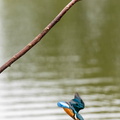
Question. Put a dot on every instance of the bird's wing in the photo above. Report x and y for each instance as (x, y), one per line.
(77, 103)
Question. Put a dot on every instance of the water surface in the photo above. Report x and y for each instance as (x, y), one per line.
(80, 54)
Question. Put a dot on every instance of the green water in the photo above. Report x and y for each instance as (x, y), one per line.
(80, 54)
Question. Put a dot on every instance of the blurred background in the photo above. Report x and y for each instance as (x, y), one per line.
(80, 54)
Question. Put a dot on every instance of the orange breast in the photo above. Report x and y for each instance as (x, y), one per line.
(69, 112)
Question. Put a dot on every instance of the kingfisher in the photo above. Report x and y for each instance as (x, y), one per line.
(73, 106)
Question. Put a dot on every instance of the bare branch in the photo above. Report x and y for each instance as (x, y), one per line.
(38, 37)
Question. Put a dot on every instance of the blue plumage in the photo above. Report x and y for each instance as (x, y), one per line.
(77, 103)
(73, 107)
(63, 104)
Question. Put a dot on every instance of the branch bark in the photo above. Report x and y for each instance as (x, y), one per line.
(38, 37)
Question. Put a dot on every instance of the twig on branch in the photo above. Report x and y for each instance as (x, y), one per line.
(39, 37)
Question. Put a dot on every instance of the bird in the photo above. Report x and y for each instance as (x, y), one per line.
(73, 106)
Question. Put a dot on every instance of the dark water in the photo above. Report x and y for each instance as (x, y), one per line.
(80, 54)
